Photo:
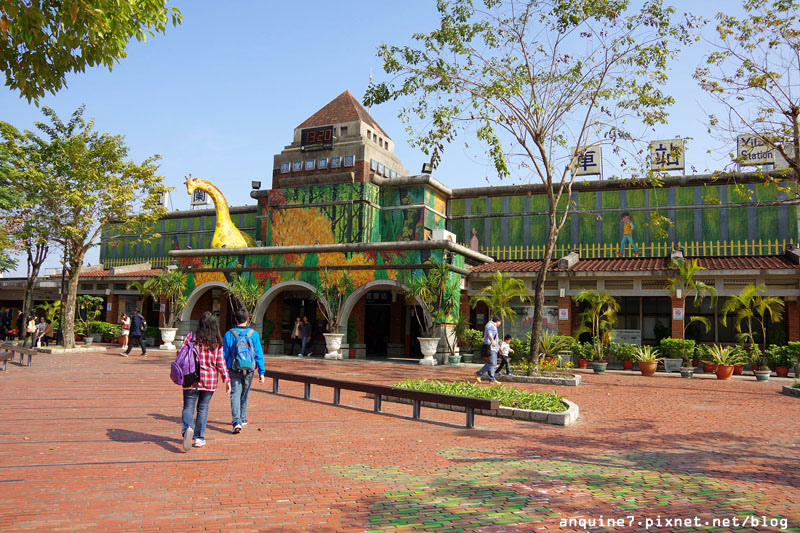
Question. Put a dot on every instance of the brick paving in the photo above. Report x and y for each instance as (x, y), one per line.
(90, 442)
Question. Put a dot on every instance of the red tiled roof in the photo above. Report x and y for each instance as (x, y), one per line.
(107, 274)
(343, 108)
(644, 264)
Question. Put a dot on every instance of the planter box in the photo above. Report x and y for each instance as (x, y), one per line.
(791, 391)
(567, 379)
(673, 364)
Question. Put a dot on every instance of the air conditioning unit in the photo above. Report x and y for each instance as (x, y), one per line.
(443, 235)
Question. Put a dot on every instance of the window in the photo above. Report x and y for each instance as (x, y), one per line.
(343, 131)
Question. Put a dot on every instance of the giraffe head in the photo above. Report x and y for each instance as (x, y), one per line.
(191, 184)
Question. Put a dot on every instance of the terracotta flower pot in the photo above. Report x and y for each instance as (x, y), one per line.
(724, 371)
(583, 363)
(627, 365)
(738, 369)
(781, 371)
(648, 368)
(695, 362)
(709, 367)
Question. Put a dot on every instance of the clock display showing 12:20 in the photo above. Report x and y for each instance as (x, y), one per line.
(318, 137)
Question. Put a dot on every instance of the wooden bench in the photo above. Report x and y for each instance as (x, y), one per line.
(30, 352)
(380, 391)
(4, 357)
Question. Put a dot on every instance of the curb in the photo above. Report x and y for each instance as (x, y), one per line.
(72, 350)
(791, 391)
(573, 381)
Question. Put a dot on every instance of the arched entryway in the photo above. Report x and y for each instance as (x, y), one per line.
(384, 325)
(209, 296)
(279, 306)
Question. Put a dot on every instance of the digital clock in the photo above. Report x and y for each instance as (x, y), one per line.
(319, 138)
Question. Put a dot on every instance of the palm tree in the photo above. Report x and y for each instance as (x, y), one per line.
(499, 295)
(749, 306)
(599, 317)
(437, 293)
(685, 285)
(171, 285)
(245, 291)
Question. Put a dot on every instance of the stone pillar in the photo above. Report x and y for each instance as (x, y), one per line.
(565, 326)
(793, 320)
(677, 325)
(359, 315)
(112, 312)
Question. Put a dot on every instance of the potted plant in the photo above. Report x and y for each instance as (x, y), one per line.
(682, 287)
(89, 308)
(334, 286)
(781, 358)
(623, 352)
(648, 358)
(585, 352)
(723, 357)
(170, 285)
(794, 349)
(741, 360)
(598, 318)
(435, 296)
(677, 353)
(551, 346)
(473, 341)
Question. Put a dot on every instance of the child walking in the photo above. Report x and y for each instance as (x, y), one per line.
(505, 348)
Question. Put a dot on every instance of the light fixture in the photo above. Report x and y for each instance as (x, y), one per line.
(256, 185)
(427, 168)
(679, 294)
(562, 292)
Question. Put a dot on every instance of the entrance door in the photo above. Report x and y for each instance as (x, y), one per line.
(377, 310)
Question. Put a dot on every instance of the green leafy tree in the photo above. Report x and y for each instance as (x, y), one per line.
(89, 308)
(538, 82)
(41, 42)
(11, 199)
(748, 307)
(84, 182)
(690, 288)
(599, 318)
(243, 290)
(752, 72)
(334, 286)
(170, 285)
(499, 296)
(435, 295)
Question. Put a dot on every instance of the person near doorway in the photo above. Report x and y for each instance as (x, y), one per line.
(20, 325)
(138, 325)
(242, 343)
(305, 345)
(126, 330)
(212, 367)
(490, 349)
(297, 331)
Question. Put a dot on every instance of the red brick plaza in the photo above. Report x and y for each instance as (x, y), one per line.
(90, 442)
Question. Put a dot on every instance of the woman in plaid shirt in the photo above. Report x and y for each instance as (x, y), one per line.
(212, 362)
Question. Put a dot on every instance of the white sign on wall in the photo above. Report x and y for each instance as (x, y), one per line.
(677, 313)
(751, 150)
(590, 162)
(563, 314)
(667, 155)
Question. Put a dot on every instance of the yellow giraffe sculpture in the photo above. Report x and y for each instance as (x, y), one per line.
(226, 235)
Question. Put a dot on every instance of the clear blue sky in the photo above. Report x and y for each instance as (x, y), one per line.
(220, 94)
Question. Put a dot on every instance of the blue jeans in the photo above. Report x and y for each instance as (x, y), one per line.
(489, 367)
(200, 399)
(240, 389)
(627, 239)
(303, 346)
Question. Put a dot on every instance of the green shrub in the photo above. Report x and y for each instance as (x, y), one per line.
(584, 350)
(352, 333)
(521, 347)
(267, 329)
(106, 329)
(507, 396)
(622, 351)
(673, 348)
(794, 348)
(781, 356)
(475, 340)
(152, 332)
(776, 335)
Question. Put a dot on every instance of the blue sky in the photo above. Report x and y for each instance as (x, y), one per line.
(220, 94)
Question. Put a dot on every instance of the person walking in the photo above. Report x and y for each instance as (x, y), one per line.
(30, 330)
(208, 342)
(126, 330)
(490, 348)
(138, 325)
(297, 330)
(4, 316)
(505, 349)
(20, 325)
(243, 355)
(305, 345)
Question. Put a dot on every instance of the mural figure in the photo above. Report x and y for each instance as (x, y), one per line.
(226, 234)
(473, 242)
(627, 236)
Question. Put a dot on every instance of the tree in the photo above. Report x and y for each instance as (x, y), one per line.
(89, 308)
(41, 42)
(690, 287)
(334, 286)
(752, 73)
(499, 295)
(434, 295)
(86, 183)
(170, 285)
(243, 290)
(749, 306)
(538, 81)
(10, 200)
(598, 318)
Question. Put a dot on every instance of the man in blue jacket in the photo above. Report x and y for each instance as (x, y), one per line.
(239, 343)
(138, 325)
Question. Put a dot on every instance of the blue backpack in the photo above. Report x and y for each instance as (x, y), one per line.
(185, 370)
(244, 353)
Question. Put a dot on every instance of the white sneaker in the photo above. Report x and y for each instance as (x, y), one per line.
(244, 423)
(123, 354)
(299, 355)
(187, 439)
(199, 443)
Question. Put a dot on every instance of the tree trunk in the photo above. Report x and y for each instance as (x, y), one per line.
(35, 261)
(73, 277)
(538, 294)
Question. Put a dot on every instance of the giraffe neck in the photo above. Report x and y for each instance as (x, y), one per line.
(220, 204)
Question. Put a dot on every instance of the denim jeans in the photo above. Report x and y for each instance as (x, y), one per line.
(489, 367)
(295, 340)
(303, 345)
(503, 364)
(240, 389)
(196, 398)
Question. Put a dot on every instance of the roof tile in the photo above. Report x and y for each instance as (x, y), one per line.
(644, 264)
(343, 108)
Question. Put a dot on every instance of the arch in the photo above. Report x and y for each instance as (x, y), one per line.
(357, 294)
(191, 301)
(272, 292)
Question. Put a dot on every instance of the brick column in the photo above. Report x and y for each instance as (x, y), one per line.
(464, 307)
(275, 314)
(397, 322)
(793, 320)
(677, 325)
(359, 315)
(111, 314)
(565, 326)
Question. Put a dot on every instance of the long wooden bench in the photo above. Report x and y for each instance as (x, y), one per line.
(380, 391)
(30, 352)
(4, 358)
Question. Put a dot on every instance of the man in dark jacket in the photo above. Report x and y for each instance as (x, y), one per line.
(20, 325)
(305, 345)
(138, 325)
